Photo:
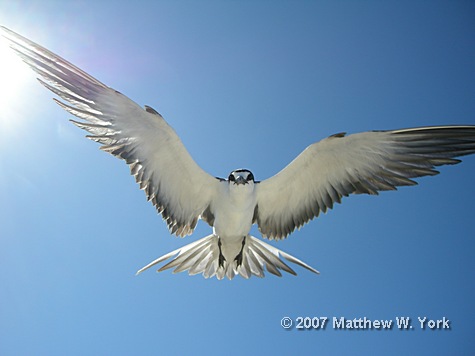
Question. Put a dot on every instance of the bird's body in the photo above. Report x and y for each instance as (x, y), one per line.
(234, 210)
(233, 213)
(183, 193)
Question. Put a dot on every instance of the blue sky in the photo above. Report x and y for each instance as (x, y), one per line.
(245, 84)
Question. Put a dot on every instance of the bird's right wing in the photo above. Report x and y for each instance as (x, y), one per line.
(340, 165)
(179, 189)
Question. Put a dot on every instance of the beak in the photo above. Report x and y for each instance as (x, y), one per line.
(240, 180)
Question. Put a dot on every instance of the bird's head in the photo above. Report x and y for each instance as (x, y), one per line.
(241, 176)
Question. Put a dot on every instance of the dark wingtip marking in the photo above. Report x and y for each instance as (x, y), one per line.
(340, 134)
(151, 110)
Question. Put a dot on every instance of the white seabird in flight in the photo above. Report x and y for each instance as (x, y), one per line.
(183, 193)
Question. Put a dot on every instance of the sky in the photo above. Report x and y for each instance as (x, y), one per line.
(246, 84)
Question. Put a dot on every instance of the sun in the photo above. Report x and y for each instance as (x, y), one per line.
(14, 75)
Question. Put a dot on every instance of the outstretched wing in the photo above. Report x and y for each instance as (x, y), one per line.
(179, 189)
(360, 163)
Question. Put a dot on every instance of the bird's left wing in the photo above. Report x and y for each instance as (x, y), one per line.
(179, 189)
(340, 165)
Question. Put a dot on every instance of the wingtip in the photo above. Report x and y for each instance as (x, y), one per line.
(141, 270)
(4, 30)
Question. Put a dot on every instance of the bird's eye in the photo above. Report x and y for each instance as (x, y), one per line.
(250, 177)
(231, 177)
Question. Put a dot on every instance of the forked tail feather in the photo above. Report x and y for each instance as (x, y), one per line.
(202, 256)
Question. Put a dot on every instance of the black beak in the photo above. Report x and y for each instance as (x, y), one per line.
(240, 180)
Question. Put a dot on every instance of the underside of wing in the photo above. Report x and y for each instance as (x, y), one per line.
(179, 189)
(360, 163)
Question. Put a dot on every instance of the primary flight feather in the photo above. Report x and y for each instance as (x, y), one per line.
(183, 193)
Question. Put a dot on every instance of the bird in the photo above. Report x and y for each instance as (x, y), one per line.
(183, 193)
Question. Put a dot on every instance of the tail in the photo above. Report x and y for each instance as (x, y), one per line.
(202, 256)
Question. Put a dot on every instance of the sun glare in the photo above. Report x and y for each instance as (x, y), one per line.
(14, 75)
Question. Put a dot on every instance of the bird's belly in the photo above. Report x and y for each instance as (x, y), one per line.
(233, 223)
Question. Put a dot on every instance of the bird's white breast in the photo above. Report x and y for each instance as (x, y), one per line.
(233, 210)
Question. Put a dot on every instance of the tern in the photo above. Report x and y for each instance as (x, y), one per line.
(183, 193)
